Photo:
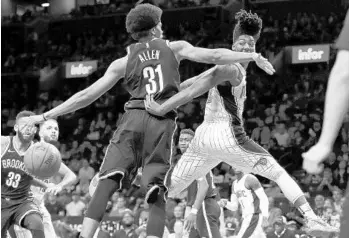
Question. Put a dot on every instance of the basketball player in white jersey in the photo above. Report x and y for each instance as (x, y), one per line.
(248, 192)
(221, 136)
(49, 132)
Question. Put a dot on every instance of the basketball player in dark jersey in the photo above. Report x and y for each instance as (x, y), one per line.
(142, 140)
(222, 138)
(17, 206)
(204, 211)
(336, 106)
(203, 208)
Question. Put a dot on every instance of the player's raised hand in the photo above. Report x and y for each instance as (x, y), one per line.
(313, 158)
(152, 107)
(264, 64)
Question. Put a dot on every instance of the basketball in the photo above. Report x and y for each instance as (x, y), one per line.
(42, 160)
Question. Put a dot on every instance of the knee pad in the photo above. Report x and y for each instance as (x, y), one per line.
(33, 221)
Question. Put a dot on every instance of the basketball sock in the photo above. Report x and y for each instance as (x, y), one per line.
(157, 215)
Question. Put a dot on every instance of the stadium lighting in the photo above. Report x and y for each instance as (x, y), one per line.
(46, 4)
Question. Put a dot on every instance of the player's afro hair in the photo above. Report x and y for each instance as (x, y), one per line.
(248, 23)
(142, 18)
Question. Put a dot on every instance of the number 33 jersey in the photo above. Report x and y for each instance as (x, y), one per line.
(152, 69)
(15, 180)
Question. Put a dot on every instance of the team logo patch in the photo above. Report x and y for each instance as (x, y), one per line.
(262, 161)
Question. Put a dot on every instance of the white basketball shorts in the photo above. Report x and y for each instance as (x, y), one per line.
(218, 142)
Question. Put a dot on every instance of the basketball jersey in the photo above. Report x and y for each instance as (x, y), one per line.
(247, 198)
(152, 69)
(15, 180)
(225, 103)
(193, 189)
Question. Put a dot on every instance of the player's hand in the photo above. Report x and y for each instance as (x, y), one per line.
(264, 64)
(312, 159)
(190, 222)
(55, 189)
(152, 107)
(34, 120)
(223, 202)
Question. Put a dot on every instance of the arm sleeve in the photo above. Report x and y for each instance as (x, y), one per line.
(264, 203)
(343, 39)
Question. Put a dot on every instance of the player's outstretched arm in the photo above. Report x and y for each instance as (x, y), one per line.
(203, 83)
(185, 50)
(203, 186)
(336, 105)
(252, 183)
(87, 96)
(337, 99)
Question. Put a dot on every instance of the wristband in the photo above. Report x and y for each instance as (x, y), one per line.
(43, 116)
(194, 211)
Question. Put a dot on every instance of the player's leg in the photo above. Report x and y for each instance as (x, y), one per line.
(249, 226)
(28, 216)
(196, 162)
(208, 219)
(7, 216)
(118, 165)
(49, 230)
(254, 158)
(157, 150)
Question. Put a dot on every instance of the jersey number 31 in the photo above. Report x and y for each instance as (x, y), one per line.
(155, 79)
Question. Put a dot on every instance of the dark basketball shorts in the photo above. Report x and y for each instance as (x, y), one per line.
(207, 221)
(141, 140)
(14, 212)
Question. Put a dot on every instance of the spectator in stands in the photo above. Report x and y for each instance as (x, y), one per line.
(178, 213)
(75, 207)
(119, 208)
(52, 205)
(319, 205)
(86, 174)
(281, 135)
(341, 175)
(129, 228)
(280, 229)
(337, 200)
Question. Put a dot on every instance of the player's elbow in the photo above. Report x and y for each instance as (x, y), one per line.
(216, 56)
